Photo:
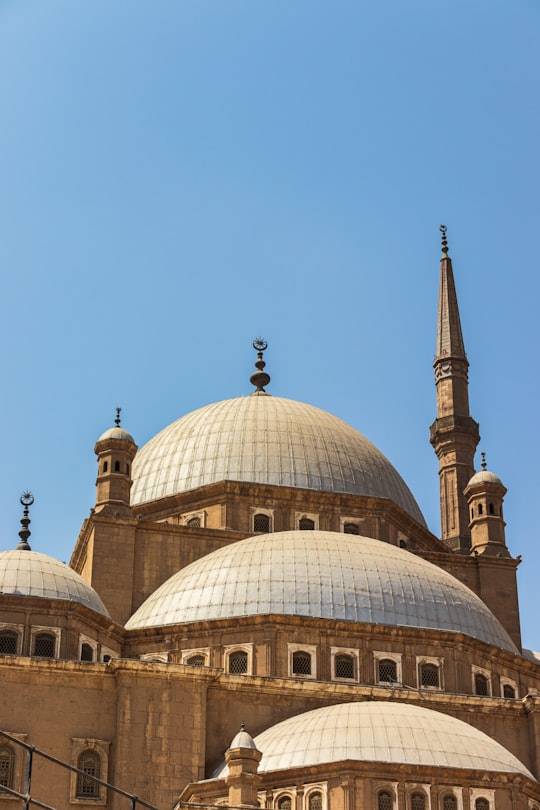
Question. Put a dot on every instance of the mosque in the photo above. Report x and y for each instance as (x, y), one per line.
(256, 614)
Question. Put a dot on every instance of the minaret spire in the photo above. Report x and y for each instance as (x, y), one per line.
(454, 434)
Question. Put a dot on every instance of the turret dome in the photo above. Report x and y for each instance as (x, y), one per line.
(266, 440)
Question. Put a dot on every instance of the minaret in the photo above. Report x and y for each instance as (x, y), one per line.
(115, 450)
(454, 434)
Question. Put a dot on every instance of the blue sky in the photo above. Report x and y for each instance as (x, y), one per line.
(179, 177)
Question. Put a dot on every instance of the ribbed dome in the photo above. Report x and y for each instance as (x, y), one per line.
(380, 731)
(266, 440)
(323, 575)
(29, 573)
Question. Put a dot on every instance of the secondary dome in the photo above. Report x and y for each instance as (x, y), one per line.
(323, 575)
(29, 573)
(380, 731)
(266, 440)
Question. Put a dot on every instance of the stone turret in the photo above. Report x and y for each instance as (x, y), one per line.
(485, 493)
(454, 434)
(243, 781)
(115, 450)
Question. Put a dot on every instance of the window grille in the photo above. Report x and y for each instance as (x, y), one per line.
(261, 523)
(315, 801)
(508, 691)
(418, 801)
(90, 763)
(238, 663)
(196, 661)
(87, 653)
(284, 803)
(387, 671)
(301, 663)
(44, 645)
(384, 801)
(449, 803)
(306, 524)
(351, 528)
(429, 675)
(344, 666)
(8, 642)
(194, 522)
(7, 766)
(480, 685)
(481, 804)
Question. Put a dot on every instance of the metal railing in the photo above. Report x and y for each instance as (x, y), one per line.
(29, 801)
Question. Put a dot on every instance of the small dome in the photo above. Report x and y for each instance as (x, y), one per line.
(243, 740)
(117, 433)
(29, 573)
(323, 575)
(266, 440)
(484, 477)
(380, 731)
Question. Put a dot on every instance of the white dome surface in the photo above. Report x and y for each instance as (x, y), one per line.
(323, 575)
(380, 731)
(29, 573)
(266, 440)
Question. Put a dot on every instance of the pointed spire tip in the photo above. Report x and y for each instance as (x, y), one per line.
(443, 230)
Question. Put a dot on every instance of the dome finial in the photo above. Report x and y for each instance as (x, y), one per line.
(260, 378)
(443, 229)
(26, 499)
(118, 420)
(484, 465)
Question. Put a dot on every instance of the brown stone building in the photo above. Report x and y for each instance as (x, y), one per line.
(260, 562)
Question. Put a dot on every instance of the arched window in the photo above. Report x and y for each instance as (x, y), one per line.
(351, 528)
(449, 802)
(429, 675)
(196, 661)
(127, 468)
(117, 466)
(87, 652)
(238, 662)
(194, 523)
(387, 671)
(384, 800)
(481, 685)
(284, 803)
(8, 642)
(418, 801)
(480, 509)
(306, 524)
(90, 763)
(7, 766)
(301, 663)
(315, 801)
(344, 666)
(508, 691)
(402, 544)
(261, 523)
(44, 645)
(105, 466)
(481, 804)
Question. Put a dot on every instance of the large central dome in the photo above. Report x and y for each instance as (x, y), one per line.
(266, 440)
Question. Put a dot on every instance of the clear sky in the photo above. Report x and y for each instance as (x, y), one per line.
(179, 177)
